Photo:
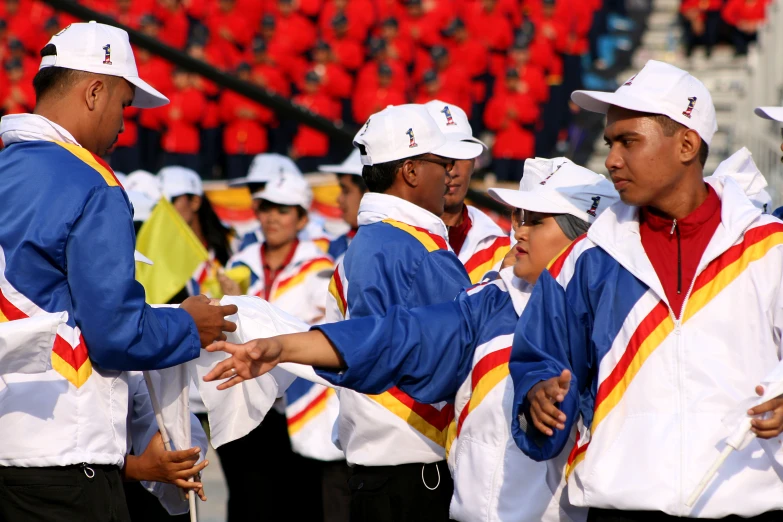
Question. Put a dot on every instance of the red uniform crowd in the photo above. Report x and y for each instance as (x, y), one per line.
(702, 20)
(497, 59)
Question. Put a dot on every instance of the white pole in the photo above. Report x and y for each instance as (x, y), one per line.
(164, 435)
(708, 476)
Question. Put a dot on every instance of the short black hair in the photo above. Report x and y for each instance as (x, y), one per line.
(52, 80)
(670, 126)
(359, 182)
(380, 177)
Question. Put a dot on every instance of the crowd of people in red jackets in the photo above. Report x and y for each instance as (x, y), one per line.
(705, 20)
(509, 63)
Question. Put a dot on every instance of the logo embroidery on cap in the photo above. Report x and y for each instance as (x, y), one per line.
(66, 28)
(447, 112)
(107, 55)
(596, 200)
(366, 126)
(629, 82)
(553, 173)
(691, 104)
(413, 139)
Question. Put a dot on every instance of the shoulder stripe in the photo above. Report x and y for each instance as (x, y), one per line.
(315, 265)
(93, 161)
(483, 260)
(430, 241)
(336, 289)
(557, 263)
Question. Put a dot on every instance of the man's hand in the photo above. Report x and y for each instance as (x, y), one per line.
(247, 361)
(210, 320)
(770, 427)
(228, 285)
(171, 467)
(543, 397)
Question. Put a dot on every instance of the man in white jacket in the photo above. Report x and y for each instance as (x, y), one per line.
(648, 332)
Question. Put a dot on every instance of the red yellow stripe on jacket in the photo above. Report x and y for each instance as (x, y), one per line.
(556, 265)
(576, 456)
(338, 292)
(482, 261)
(315, 265)
(488, 372)
(72, 362)
(430, 241)
(312, 410)
(93, 161)
(424, 418)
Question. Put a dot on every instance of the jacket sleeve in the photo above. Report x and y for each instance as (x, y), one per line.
(121, 331)
(550, 337)
(426, 352)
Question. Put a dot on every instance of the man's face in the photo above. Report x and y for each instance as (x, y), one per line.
(349, 199)
(642, 162)
(109, 107)
(433, 173)
(459, 183)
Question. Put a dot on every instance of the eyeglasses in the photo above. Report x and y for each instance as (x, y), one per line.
(448, 164)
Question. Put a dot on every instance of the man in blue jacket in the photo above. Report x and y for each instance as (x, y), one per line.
(66, 245)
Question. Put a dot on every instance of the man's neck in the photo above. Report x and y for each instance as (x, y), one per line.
(55, 115)
(684, 201)
(452, 217)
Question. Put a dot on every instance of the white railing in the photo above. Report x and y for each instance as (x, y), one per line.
(765, 87)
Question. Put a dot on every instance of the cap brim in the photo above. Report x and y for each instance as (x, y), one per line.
(598, 101)
(280, 199)
(146, 97)
(238, 182)
(770, 113)
(531, 201)
(459, 150)
(459, 136)
(341, 169)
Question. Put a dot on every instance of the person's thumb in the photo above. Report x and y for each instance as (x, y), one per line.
(564, 381)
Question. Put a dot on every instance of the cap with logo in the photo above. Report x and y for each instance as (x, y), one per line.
(177, 181)
(101, 49)
(568, 189)
(287, 189)
(452, 121)
(266, 167)
(403, 131)
(659, 88)
(770, 113)
(351, 165)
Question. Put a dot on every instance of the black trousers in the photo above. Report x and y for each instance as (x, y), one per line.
(399, 493)
(611, 515)
(62, 494)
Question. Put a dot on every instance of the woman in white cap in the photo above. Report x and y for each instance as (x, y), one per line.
(293, 274)
(458, 351)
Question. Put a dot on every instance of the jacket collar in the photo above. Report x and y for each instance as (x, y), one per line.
(376, 207)
(483, 226)
(617, 232)
(16, 128)
(251, 256)
(518, 289)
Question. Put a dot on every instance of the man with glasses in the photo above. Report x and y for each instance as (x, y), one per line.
(399, 256)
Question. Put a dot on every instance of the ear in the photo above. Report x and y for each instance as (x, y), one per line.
(302, 223)
(96, 89)
(690, 142)
(409, 174)
(195, 203)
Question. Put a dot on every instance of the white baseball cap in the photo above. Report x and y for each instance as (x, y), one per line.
(266, 167)
(351, 165)
(404, 131)
(144, 182)
(659, 88)
(287, 189)
(177, 181)
(770, 113)
(101, 49)
(453, 121)
(569, 189)
(142, 204)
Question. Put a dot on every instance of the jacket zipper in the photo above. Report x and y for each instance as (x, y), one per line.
(679, 256)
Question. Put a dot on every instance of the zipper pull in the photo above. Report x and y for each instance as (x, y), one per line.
(674, 226)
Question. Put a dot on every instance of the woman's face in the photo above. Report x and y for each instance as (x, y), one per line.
(539, 240)
(280, 223)
(187, 206)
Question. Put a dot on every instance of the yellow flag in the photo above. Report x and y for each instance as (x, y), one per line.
(170, 243)
(239, 274)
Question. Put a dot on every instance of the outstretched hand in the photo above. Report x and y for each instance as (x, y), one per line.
(543, 396)
(247, 361)
(210, 318)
